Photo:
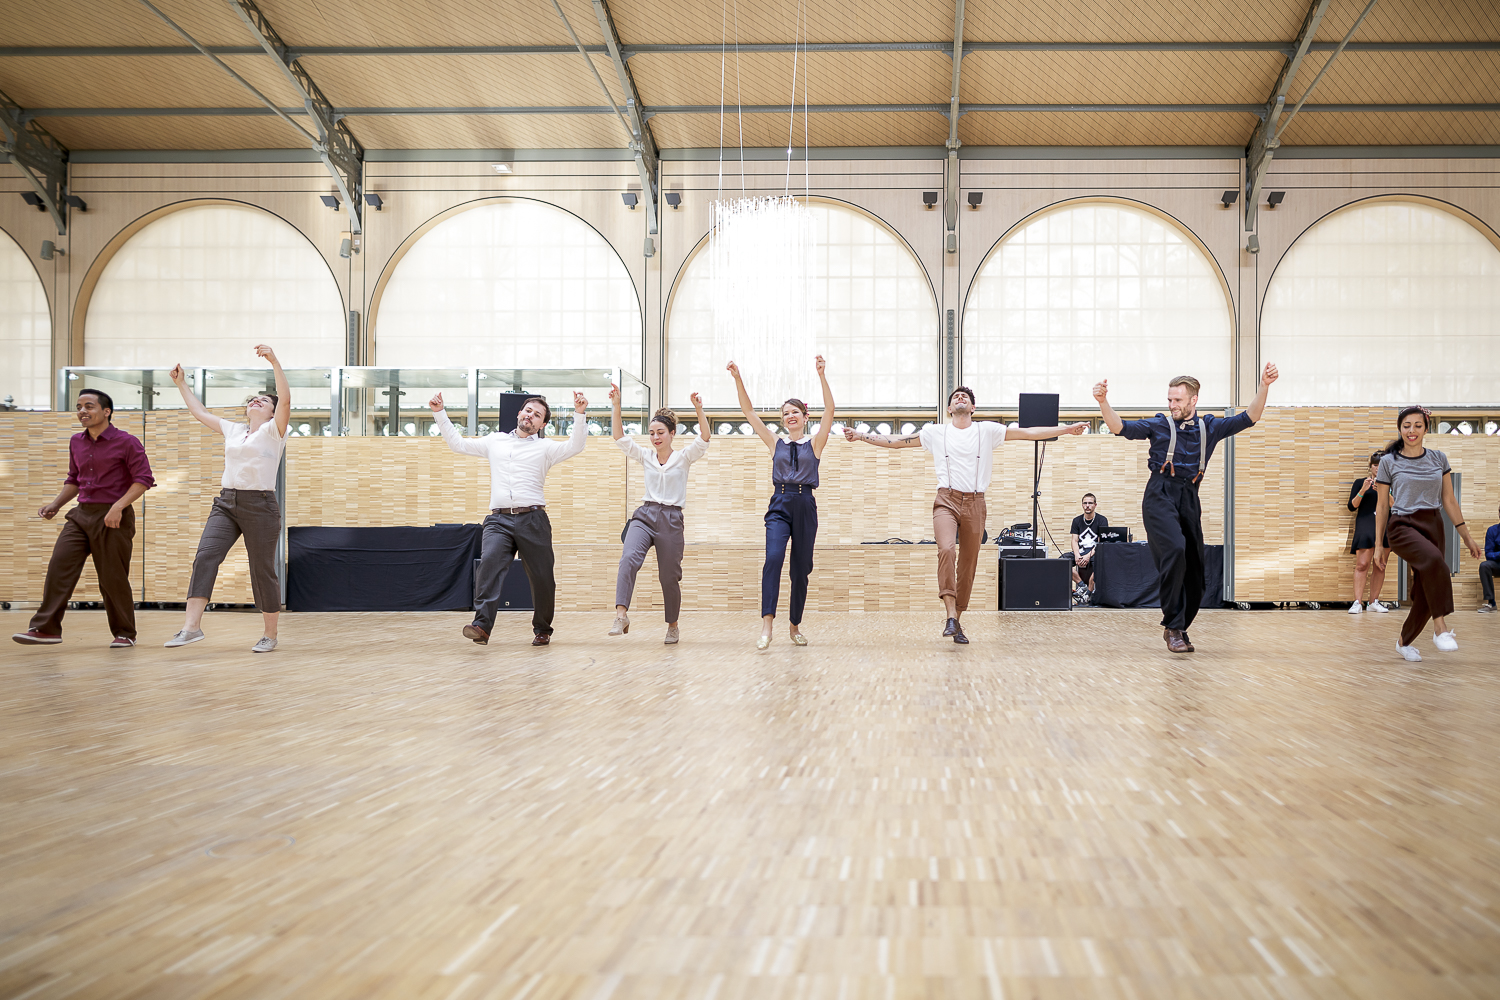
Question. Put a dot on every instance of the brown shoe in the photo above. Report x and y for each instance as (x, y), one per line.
(1176, 642)
(541, 640)
(476, 632)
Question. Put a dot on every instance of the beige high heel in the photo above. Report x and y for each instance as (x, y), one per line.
(621, 625)
(763, 642)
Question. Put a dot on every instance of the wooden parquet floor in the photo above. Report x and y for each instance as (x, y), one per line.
(1062, 809)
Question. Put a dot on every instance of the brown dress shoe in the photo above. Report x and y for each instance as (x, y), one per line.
(541, 640)
(1176, 642)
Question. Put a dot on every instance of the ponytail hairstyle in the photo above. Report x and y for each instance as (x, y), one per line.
(794, 401)
(1398, 444)
(1375, 458)
(666, 418)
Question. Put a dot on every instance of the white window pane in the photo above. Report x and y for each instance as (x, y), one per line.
(1394, 302)
(25, 330)
(1108, 292)
(510, 284)
(204, 285)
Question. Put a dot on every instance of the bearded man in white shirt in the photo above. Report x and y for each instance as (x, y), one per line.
(518, 522)
(963, 454)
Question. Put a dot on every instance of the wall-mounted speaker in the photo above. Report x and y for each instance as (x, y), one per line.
(1035, 585)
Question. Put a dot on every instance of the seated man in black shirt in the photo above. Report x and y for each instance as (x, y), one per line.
(1084, 535)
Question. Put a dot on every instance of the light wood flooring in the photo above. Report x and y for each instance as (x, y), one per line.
(1062, 809)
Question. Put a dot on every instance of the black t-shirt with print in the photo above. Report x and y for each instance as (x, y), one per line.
(1088, 533)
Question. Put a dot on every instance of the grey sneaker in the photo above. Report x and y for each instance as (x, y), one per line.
(184, 637)
(1486, 609)
(671, 639)
(265, 645)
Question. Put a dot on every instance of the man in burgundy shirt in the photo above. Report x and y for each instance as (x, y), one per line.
(107, 472)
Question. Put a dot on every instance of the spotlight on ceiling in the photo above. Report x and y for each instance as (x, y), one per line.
(929, 198)
(1275, 198)
(374, 201)
(346, 248)
(50, 250)
(76, 202)
(975, 198)
(331, 201)
(631, 199)
(674, 200)
(33, 199)
(500, 168)
(1229, 198)
(1253, 243)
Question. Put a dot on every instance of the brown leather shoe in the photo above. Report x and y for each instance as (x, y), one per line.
(1175, 641)
(541, 640)
(476, 632)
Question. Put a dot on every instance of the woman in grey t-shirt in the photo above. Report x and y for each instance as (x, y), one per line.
(1414, 483)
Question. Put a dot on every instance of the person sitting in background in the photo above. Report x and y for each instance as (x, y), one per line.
(1084, 535)
(1489, 567)
(1362, 500)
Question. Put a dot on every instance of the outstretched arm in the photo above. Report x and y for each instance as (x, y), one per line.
(912, 440)
(197, 409)
(1044, 433)
(1111, 418)
(820, 439)
(704, 430)
(578, 437)
(1257, 406)
(748, 409)
(616, 428)
(456, 441)
(283, 392)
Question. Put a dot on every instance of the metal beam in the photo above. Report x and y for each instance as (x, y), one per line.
(340, 151)
(950, 176)
(42, 160)
(1263, 141)
(77, 51)
(642, 143)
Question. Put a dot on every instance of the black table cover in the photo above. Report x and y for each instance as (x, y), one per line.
(381, 569)
(1126, 576)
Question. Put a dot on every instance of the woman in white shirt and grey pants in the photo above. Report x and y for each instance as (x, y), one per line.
(658, 520)
(245, 506)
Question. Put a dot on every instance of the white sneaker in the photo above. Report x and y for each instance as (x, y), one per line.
(1356, 609)
(1447, 642)
(1378, 608)
(265, 645)
(184, 637)
(1409, 653)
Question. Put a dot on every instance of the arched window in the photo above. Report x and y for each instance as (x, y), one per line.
(25, 331)
(1386, 303)
(1097, 290)
(873, 316)
(204, 284)
(509, 284)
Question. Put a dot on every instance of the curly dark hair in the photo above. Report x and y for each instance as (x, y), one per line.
(967, 392)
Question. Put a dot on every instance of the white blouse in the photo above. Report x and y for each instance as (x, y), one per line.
(666, 484)
(250, 460)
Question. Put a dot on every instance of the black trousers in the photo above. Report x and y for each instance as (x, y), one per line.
(1487, 571)
(1174, 531)
(791, 517)
(506, 536)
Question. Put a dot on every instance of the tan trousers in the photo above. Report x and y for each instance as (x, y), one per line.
(957, 527)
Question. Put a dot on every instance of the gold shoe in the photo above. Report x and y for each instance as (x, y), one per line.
(798, 639)
(762, 642)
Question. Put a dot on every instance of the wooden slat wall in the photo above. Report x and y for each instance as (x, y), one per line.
(1292, 524)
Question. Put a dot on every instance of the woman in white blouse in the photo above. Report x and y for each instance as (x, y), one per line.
(658, 520)
(246, 505)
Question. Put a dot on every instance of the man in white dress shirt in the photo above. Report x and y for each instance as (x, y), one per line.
(963, 452)
(518, 522)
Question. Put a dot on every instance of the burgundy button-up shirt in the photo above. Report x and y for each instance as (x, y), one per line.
(103, 469)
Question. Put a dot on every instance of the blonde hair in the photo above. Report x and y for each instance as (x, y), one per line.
(1187, 380)
(667, 418)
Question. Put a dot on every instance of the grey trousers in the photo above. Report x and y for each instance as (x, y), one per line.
(256, 515)
(661, 526)
(504, 537)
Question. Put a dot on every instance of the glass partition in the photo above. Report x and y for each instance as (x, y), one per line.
(392, 402)
(152, 389)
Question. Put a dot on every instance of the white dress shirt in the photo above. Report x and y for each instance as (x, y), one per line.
(666, 483)
(518, 466)
(964, 457)
(250, 460)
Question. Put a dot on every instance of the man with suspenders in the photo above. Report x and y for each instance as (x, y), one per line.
(1181, 446)
(963, 454)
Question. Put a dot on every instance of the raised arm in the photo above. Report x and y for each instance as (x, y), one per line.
(1450, 505)
(1044, 433)
(616, 428)
(578, 437)
(820, 439)
(1111, 418)
(456, 441)
(912, 440)
(704, 430)
(283, 391)
(197, 409)
(1257, 406)
(748, 409)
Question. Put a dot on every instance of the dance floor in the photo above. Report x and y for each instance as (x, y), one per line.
(1062, 809)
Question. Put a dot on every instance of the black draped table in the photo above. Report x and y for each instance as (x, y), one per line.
(382, 569)
(1125, 576)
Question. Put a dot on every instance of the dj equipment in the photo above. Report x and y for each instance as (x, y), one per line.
(1114, 534)
(1035, 585)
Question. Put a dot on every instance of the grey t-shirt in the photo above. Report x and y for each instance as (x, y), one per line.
(1416, 483)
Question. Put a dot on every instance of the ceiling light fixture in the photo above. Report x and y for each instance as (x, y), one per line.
(975, 199)
(374, 201)
(330, 200)
(929, 198)
(1275, 198)
(674, 200)
(1229, 198)
(31, 198)
(501, 168)
(631, 199)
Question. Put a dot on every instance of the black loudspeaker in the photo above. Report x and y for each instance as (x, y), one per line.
(1035, 585)
(515, 588)
(510, 408)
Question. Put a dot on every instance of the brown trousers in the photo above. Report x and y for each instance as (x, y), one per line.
(957, 527)
(1419, 538)
(83, 535)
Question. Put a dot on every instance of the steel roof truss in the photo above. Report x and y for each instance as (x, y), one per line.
(40, 158)
(642, 143)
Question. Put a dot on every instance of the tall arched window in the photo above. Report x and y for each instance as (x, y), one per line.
(873, 316)
(204, 284)
(510, 284)
(1097, 290)
(25, 330)
(1387, 302)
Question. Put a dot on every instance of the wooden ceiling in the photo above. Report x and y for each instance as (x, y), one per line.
(79, 65)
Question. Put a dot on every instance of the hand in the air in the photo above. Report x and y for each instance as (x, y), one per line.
(265, 352)
(821, 365)
(733, 369)
(697, 401)
(177, 375)
(1269, 374)
(614, 393)
(850, 434)
(435, 403)
(1101, 389)
(579, 403)
(1077, 428)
